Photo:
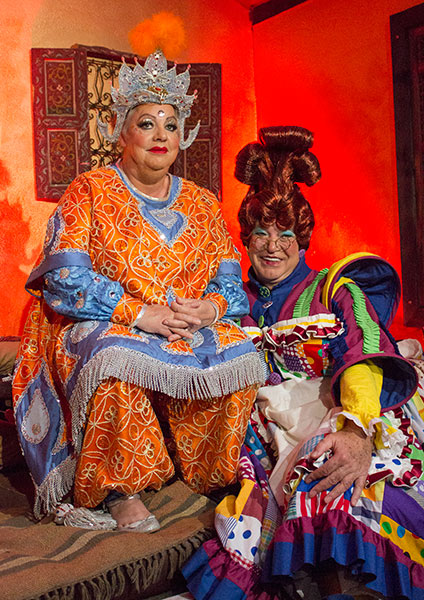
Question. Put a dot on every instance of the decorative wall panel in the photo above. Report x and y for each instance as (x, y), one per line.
(62, 150)
(72, 87)
(61, 137)
(59, 77)
(202, 161)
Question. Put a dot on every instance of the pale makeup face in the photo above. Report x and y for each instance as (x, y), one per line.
(273, 253)
(150, 138)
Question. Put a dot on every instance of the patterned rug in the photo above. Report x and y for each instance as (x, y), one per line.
(44, 561)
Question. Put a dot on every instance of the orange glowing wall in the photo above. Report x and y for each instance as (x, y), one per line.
(326, 65)
(218, 31)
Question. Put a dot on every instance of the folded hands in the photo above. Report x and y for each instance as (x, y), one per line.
(181, 319)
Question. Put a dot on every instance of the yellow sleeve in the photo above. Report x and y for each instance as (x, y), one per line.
(360, 388)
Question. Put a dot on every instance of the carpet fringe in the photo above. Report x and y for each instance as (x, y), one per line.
(141, 574)
(146, 571)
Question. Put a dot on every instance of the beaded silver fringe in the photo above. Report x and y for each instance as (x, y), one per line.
(176, 381)
(52, 490)
(142, 370)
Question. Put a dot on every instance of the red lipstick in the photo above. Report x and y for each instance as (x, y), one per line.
(158, 150)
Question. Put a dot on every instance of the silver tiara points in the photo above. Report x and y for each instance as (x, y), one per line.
(152, 83)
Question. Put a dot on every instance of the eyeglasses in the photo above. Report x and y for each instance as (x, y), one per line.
(260, 241)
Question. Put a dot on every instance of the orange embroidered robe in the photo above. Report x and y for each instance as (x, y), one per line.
(153, 251)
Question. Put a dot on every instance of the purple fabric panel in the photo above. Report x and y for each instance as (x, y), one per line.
(317, 307)
(400, 377)
(344, 303)
(402, 508)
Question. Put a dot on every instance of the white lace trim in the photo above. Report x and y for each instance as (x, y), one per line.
(393, 442)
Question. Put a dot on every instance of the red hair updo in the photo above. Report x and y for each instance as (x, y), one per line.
(272, 167)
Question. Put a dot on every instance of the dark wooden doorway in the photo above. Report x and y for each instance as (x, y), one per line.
(407, 39)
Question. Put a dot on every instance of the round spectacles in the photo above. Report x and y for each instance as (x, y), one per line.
(261, 241)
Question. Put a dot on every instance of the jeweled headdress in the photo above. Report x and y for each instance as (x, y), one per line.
(151, 84)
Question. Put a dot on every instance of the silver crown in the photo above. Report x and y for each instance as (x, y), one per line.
(151, 84)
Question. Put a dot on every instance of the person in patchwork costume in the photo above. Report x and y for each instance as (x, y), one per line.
(331, 501)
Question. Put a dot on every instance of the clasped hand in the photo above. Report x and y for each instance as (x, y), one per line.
(351, 452)
(181, 319)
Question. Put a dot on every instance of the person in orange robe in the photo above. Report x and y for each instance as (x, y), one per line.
(132, 367)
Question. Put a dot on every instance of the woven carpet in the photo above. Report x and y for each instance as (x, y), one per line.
(44, 561)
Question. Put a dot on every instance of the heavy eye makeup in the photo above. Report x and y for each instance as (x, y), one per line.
(171, 126)
(149, 124)
(287, 233)
(258, 231)
(145, 124)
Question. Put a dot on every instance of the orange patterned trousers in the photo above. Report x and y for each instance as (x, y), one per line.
(135, 439)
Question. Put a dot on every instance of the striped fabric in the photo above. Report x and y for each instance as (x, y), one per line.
(44, 561)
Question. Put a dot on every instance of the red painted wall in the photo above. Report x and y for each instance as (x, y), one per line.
(326, 65)
(218, 31)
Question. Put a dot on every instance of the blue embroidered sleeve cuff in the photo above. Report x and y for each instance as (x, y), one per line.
(81, 294)
(230, 286)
